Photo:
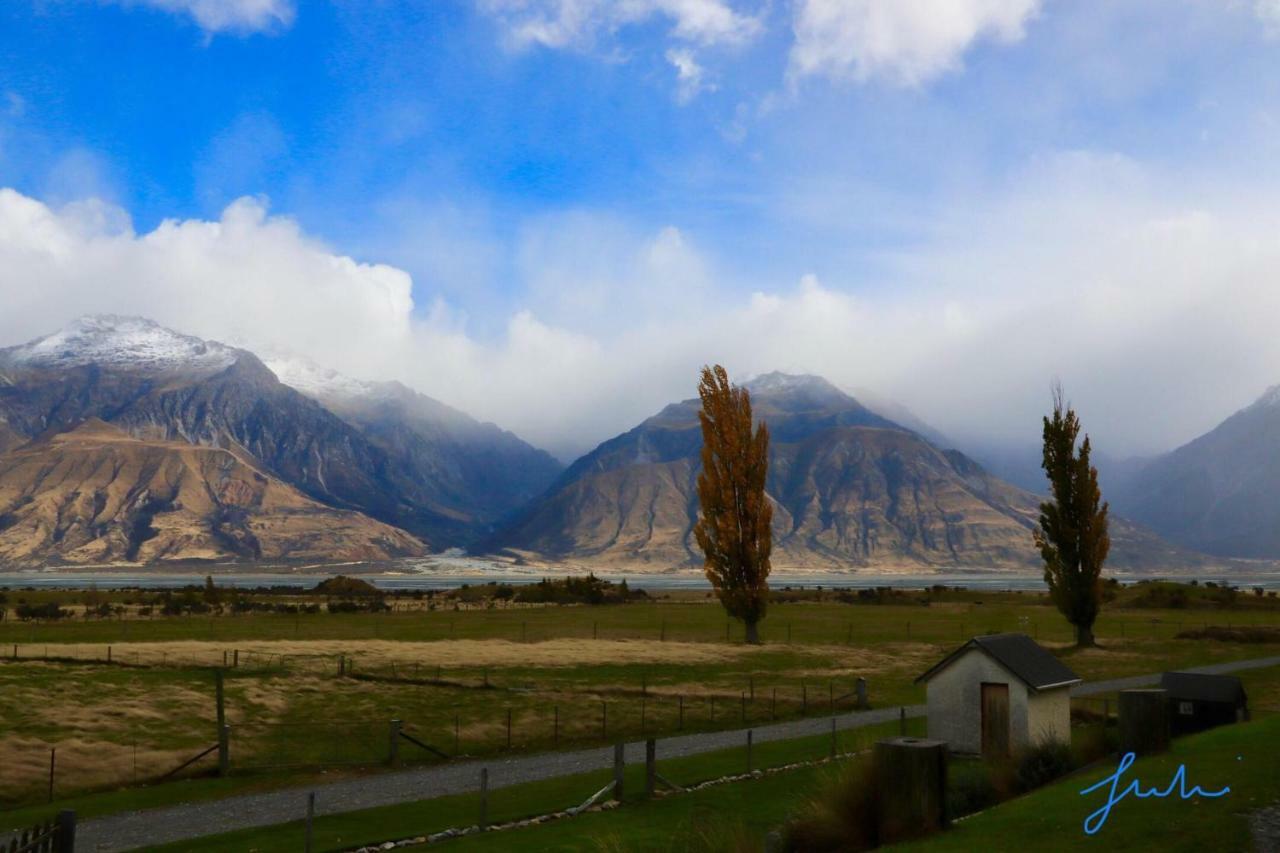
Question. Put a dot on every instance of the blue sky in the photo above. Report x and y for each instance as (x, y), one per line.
(888, 192)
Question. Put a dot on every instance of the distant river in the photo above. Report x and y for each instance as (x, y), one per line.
(452, 578)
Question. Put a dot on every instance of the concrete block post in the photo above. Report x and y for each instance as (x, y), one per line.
(1144, 721)
(910, 781)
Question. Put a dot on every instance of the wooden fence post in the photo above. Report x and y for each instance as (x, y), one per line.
(804, 698)
(66, 833)
(619, 769)
(750, 737)
(219, 698)
(861, 689)
(833, 737)
(650, 766)
(224, 750)
(773, 705)
(235, 659)
(680, 723)
(311, 814)
(393, 743)
(751, 686)
(508, 730)
(555, 727)
(484, 797)
(457, 736)
(604, 720)
(108, 654)
(53, 756)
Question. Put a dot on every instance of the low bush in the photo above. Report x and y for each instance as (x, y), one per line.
(50, 610)
(842, 818)
(1041, 764)
(969, 789)
(1233, 635)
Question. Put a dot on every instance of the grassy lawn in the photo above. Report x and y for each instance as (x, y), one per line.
(566, 676)
(1243, 757)
(756, 803)
(738, 816)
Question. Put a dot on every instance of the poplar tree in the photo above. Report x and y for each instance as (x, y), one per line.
(733, 528)
(1072, 534)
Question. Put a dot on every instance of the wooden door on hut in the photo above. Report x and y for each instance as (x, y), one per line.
(995, 720)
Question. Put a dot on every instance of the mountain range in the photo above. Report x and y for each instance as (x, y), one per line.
(124, 441)
(1220, 493)
(851, 489)
(156, 385)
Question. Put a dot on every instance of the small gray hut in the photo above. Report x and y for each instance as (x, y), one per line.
(998, 694)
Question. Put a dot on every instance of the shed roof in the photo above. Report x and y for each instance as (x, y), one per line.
(1033, 664)
(1199, 687)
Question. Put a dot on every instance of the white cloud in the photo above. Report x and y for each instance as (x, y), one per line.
(690, 76)
(1153, 300)
(906, 42)
(580, 23)
(1268, 11)
(234, 16)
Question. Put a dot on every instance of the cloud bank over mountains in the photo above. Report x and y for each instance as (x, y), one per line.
(1156, 308)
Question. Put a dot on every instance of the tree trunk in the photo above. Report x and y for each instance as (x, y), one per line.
(753, 633)
(1084, 636)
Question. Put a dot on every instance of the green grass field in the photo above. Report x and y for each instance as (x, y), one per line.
(567, 676)
(739, 815)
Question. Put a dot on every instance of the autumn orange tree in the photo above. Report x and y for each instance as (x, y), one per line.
(1072, 535)
(733, 527)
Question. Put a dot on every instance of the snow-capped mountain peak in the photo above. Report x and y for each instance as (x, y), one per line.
(778, 381)
(116, 341)
(1270, 398)
(304, 375)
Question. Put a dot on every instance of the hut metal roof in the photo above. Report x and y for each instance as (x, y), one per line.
(1200, 687)
(1033, 664)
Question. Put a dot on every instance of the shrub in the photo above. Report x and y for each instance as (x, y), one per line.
(346, 587)
(344, 607)
(842, 818)
(50, 610)
(1043, 763)
(969, 789)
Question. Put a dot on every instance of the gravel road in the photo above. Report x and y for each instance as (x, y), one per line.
(131, 830)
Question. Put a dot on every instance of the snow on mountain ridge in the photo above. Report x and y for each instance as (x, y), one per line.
(117, 341)
(304, 375)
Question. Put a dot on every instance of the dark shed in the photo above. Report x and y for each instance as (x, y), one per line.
(1198, 701)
